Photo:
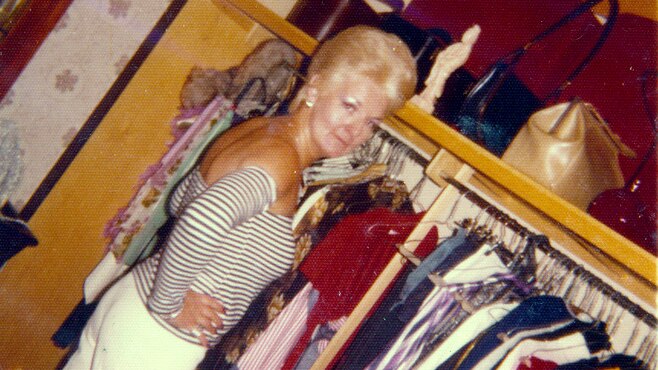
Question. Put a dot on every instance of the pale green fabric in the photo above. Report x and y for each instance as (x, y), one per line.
(143, 243)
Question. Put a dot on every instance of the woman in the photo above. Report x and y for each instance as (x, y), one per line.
(233, 233)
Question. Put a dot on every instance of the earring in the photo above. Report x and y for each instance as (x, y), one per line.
(309, 103)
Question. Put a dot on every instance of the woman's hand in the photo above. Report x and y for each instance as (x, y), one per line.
(200, 312)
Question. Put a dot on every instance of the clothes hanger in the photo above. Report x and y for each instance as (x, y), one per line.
(542, 268)
(406, 253)
(605, 306)
(598, 298)
(646, 347)
(559, 275)
(453, 211)
(518, 245)
(417, 190)
(516, 239)
(613, 318)
(393, 159)
(556, 276)
(649, 356)
(590, 294)
(634, 334)
(476, 224)
(565, 284)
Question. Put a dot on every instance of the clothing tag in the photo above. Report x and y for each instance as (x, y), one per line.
(465, 304)
(408, 254)
(503, 337)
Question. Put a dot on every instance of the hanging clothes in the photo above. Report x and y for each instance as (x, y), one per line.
(408, 294)
(319, 341)
(523, 322)
(387, 320)
(469, 329)
(437, 307)
(272, 347)
(539, 314)
(560, 347)
(334, 203)
(344, 265)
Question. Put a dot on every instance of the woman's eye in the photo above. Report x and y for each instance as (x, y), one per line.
(349, 107)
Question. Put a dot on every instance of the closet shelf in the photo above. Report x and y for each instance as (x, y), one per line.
(580, 223)
(273, 23)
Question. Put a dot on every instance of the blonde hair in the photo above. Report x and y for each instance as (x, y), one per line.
(369, 52)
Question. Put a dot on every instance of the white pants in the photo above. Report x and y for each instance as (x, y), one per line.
(122, 335)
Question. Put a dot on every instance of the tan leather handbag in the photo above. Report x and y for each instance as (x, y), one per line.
(571, 150)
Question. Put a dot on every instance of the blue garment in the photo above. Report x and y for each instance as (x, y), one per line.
(534, 312)
(322, 333)
(432, 262)
(438, 307)
(451, 258)
(397, 308)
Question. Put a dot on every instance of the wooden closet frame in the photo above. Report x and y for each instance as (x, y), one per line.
(588, 240)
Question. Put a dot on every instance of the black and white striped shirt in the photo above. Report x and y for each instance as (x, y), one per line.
(225, 244)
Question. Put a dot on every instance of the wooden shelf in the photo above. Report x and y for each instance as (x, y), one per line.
(273, 23)
(543, 200)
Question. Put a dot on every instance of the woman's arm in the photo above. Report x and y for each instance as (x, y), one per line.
(199, 232)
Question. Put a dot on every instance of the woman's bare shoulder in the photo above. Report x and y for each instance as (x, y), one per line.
(256, 143)
(276, 156)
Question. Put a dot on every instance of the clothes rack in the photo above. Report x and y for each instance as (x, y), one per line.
(599, 300)
(557, 255)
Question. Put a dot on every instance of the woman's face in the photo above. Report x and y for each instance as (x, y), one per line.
(344, 114)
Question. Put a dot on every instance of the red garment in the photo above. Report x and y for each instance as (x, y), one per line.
(534, 363)
(348, 260)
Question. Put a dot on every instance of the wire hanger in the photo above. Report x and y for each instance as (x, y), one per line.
(555, 261)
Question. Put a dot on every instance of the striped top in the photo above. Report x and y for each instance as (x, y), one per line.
(225, 243)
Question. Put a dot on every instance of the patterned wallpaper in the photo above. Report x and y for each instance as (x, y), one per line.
(69, 75)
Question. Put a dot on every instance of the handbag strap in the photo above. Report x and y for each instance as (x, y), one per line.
(611, 19)
(507, 63)
(653, 120)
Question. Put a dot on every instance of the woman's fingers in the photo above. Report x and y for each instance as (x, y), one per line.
(203, 340)
(200, 312)
(208, 315)
(213, 311)
(206, 324)
(213, 318)
(213, 304)
(202, 337)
